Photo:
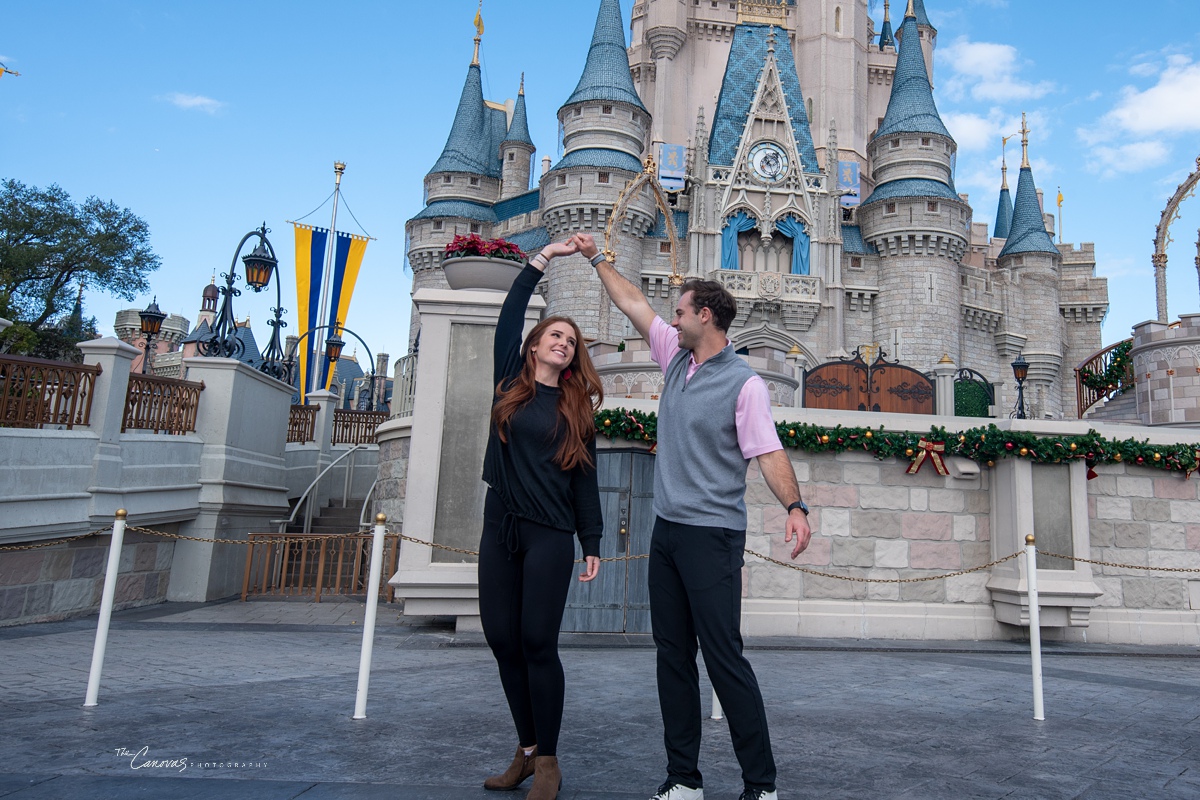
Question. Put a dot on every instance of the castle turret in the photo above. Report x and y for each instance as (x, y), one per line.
(925, 32)
(1035, 264)
(516, 151)
(914, 218)
(886, 38)
(605, 126)
(1004, 208)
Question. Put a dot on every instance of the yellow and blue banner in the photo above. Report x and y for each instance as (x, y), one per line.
(347, 261)
(310, 269)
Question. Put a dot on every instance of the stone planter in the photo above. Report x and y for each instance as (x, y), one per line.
(478, 272)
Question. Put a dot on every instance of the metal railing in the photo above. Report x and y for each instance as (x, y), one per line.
(404, 386)
(302, 424)
(1098, 364)
(35, 393)
(306, 497)
(356, 427)
(161, 405)
(300, 564)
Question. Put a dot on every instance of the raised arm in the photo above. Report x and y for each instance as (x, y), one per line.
(624, 294)
(509, 327)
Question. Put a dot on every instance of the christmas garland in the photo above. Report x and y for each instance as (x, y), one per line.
(1115, 376)
(984, 445)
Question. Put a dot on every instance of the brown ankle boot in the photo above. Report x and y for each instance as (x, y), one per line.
(520, 769)
(547, 779)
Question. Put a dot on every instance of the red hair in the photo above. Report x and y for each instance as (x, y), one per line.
(579, 399)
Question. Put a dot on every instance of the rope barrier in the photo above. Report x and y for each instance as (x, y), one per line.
(40, 545)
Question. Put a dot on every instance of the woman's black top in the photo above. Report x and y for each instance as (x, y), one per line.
(522, 471)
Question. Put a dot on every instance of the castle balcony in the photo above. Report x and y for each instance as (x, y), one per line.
(797, 297)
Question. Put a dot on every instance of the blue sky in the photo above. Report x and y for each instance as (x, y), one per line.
(208, 118)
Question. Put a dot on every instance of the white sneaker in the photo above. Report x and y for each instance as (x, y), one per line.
(759, 794)
(673, 791)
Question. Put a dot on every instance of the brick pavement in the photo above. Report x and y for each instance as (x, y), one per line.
(257, 698)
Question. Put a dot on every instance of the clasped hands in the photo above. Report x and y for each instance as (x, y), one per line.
(579, 243)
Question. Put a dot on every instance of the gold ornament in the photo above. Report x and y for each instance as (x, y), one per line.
(961, 438)
(983, 437)
(868, 434)
(824, 439)
(1024, 451)
(1117, 457)
(908, 452)
(1158, 456)
(1071, 447)
(646, 436)
(791, 431)
(991, 463)
(607, 423)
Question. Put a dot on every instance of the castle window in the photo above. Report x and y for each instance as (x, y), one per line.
(664, 247)
(578, 111)
(837, 20)
(605, 109)
(474, 181)
(847, 214)
(809, 108)
(562, 180)
(889, 208)
(926, 141)
(602, 177)
(964, 281)
(437, 224)
(855, 262)
(932, 208)
(512, 156)
(895, 143)
(447, 179)
(476, 227)
(714, 3)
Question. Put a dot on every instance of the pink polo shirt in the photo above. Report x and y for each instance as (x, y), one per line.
(755, 427)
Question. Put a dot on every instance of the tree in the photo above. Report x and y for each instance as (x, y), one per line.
(49, 248)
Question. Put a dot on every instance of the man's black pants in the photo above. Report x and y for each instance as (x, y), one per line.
(696, 594)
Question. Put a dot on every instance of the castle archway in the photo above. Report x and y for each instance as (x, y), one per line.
(1162, 238)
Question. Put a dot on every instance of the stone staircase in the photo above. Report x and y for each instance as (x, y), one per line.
(1119, 408)
(332, 519)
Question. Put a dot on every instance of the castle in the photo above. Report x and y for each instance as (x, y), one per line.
(818, 187)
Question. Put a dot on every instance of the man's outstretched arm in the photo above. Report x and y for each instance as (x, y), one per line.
(624, 294)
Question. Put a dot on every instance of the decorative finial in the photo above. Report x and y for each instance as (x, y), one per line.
(911, 12)
(478, 33)
(1024, 143)
(1004, 160)
(771, 41)
(887, 11)
(522, 89)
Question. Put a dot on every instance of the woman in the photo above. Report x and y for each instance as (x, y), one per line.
(540, 468)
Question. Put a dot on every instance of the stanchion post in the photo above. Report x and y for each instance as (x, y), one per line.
(368, 643)
(106, 606)
(1035, 626)
(718, 712)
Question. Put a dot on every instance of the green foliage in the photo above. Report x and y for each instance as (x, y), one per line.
(970, 399)
(1116, 376)
(985, 445)
(49, 246)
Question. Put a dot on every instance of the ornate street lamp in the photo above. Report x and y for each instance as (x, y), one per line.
(1020, 369)
(152, 320)
(333, 347)
(333, 350)
(260, 265)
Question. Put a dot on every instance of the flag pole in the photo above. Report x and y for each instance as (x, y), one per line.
(1060, 199)
(316, 362)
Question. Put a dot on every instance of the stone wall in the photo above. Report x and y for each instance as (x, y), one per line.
(66, 580)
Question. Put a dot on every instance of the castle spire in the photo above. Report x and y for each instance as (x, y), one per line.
(886, 38)
(911, 108)
(518, 129)
(1028, 232)
(606, 73)
(478, 33)
(463, 151)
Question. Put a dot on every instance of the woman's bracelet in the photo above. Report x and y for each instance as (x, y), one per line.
(545, 261)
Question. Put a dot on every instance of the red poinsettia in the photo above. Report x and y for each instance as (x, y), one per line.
(475, 245)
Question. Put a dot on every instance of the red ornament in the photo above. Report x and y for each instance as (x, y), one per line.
(1008, 445)
(1140, 460)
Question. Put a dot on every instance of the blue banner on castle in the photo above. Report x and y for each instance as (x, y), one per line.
(672, 167)
(848, 182)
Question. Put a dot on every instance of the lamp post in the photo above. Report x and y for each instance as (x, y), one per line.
(333, 350)
(260, 265)
(1020, 369)
(152, 320)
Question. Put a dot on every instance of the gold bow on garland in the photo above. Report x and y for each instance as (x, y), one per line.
(933, 451)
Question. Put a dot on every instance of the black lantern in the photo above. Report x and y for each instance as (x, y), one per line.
(333, 347)
(1020, 369)
(260, 265)
(152, 320)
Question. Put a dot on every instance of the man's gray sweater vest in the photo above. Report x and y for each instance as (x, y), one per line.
(700, 474)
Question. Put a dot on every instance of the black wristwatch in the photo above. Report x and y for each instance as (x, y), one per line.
(800, 505)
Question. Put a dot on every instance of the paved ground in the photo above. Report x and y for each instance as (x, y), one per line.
(254, 700)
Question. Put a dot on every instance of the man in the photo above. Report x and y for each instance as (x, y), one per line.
(714, 416)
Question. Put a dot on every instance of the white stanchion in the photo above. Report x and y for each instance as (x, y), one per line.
(1035, 627)
(718, 712)
(106, 607)
(368, 643)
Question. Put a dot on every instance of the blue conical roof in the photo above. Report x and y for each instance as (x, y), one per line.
(473, 145)
(606, 73)
(747, 59)
(1028, 231)
(886, 39)
(911, 108)
(518, 130)
(1004, 215)
(922, 17)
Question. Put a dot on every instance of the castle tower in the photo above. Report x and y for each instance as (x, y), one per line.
(605, 126)
(462, 185)
(886, 38)
(516, 151)
(1004, 208)
(914, 217)
(1035, 264)
(208, 304)
(925, 32)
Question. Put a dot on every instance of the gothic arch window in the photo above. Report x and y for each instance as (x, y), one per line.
(837, 20)
(808, 107)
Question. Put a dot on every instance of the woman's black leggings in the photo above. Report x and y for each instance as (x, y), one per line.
(522, 595)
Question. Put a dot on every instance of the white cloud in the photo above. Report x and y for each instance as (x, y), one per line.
(1170, 106)
(1133, 157)
(193, 102)
(988, 72)
(1144, 70)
